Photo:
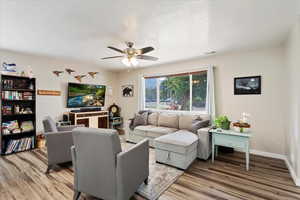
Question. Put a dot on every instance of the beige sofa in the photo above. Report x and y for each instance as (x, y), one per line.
(164, 123)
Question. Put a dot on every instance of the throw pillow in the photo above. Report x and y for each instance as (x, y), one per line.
(197, 124)
(152, 119)
(140, 119)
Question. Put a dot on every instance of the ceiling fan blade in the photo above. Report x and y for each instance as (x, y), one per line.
(112, 57)
(115, 49)
(144, 57)
(146, 50)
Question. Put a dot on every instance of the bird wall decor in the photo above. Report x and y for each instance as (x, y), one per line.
(69, 70)
(93, 74)
(79, 77)
(57, 73)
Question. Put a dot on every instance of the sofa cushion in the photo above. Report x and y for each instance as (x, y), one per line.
(159, 131)
(168, 120)
(153, 119)
(142, 130)
(153, 131)
(181, 141)
(186, 121)
(140, 119)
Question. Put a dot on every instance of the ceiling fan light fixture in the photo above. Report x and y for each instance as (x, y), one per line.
(130, 61)
(131, 56)
(134, 61)
(126, 61)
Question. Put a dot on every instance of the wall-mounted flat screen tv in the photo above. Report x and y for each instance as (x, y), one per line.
(85, 95)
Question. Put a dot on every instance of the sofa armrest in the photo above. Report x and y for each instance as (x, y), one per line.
(128, 123)
(69, 128)
(58, 146)
(204, 130)
(134, 161)
(204, 143)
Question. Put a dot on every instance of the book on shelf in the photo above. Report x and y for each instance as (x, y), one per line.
(16, 110)
(27, 126)
(16, 84)
(15, 95)
(12, 127)
(20, 145)
(7, 110)
(9, 126)
(7, 84)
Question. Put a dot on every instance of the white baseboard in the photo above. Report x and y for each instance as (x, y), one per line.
(282, 157)
(292, 172)
(267, 154)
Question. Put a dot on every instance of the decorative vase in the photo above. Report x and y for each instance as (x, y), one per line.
(225, 125)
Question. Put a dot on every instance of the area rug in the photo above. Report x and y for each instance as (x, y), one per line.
(160, 176)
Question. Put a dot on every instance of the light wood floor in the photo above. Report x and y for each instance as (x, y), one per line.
(22, 177)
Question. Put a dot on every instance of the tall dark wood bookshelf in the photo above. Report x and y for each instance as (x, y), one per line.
(18, 110)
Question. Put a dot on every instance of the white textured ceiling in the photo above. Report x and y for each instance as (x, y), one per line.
(178, 29)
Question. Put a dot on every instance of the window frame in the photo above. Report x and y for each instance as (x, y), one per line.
(157, 76)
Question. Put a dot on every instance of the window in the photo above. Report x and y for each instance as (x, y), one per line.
(150, 93)
(185, 92)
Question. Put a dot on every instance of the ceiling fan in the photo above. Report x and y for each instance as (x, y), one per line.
(131, 55)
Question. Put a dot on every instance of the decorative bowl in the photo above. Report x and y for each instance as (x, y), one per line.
(241, 129)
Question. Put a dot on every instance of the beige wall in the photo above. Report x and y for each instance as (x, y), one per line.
(42, 68)
(293, 105)
(266, 109)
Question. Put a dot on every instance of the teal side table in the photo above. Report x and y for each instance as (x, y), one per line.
(229, 138)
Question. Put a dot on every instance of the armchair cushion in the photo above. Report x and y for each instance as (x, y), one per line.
(68, 128)
(49, 125)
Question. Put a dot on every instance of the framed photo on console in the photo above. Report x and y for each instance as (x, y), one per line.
(250, 85)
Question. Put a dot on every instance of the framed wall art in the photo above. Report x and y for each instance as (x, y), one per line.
(127, 90)
(250, 85)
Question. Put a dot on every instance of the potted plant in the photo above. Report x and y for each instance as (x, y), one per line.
(222, 122)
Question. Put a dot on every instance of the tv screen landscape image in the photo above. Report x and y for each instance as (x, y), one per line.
(85, 95)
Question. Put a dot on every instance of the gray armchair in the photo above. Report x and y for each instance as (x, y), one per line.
(102, 170)
(58, 141)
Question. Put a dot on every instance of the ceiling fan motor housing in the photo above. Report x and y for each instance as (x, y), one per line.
(130, 44)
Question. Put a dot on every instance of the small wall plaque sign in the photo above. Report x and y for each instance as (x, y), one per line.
(49, 92)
